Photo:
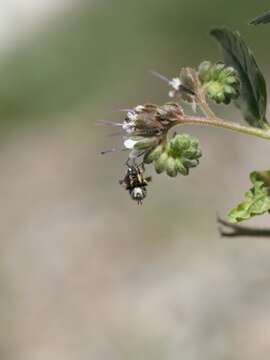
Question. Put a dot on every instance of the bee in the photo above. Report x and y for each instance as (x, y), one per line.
(135, 182)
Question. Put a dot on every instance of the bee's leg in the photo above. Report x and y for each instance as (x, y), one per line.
(124, 183)
(135, 155)
(141, 154)
(140, 166)
(130, 163)
(112, 151)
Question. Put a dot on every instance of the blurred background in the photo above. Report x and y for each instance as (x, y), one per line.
(84, 272)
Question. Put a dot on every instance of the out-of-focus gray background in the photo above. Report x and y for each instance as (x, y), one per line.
(84, 272)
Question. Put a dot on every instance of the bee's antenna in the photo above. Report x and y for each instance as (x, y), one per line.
(104, 152)
(159, 76)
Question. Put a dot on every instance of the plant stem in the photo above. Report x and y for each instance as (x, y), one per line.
(206, 109)
(232, 230)
(201, 100)
(220, 123)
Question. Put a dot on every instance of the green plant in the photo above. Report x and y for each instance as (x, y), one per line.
(237, 79)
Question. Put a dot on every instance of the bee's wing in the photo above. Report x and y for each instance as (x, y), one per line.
(262, 19)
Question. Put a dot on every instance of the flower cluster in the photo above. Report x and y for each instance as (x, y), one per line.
(178, 155)
(221, 82)
(147, 125)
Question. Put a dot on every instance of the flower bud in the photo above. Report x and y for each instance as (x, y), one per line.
(148, 126)
(186, 85)
(153, 154)
(186, 150)
(204, 72)
(221, 82)
(181, 143)
(151, 120)
(180, 154)
(140, 143)
(181, 168)
(189, 80)
(171, 167)
(190, 163)
(160, 163)
(142, 120)
(169, 113)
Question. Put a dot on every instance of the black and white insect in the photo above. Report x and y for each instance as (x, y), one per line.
(135, 182)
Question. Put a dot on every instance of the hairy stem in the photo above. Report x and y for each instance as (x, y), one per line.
(221, 123)
(201, 101)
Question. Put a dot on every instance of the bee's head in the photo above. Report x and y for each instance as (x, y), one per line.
(138, 194)
(132, 171)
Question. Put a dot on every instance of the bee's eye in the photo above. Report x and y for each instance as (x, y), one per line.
(132, 171)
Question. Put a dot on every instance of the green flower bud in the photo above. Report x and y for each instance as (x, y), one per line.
(190, 163)
(171, 167)
(186, 145)
(153, 154)
(181, 168)
(180, 154)
(160, 163)
(180, 143)
(204, 72)
(222, 83)
(231, 80)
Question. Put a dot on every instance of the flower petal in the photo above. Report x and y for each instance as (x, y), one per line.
(130, 143)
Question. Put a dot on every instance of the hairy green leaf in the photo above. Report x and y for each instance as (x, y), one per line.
(262, 19)
(257, 199)
(253, 94)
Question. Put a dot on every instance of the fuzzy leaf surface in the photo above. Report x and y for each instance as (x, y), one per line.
(253, 94)
(257, 199)
(261, 19)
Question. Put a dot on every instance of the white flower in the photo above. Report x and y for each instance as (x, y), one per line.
(175, 83)
(139, 108)
(132, 116)
(130, 143)
(129, 127)
(172, 93)
(141, 143)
